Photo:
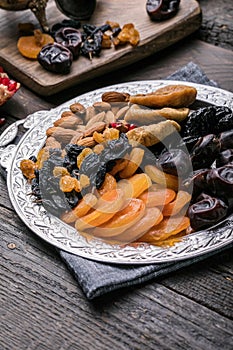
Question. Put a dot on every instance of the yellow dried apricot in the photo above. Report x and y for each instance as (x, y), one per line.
(30, 46)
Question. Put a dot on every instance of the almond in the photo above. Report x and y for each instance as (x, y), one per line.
(102, 106)
(96, 118)
(98, 126)
(78, 108)
(87, 142)
(115, 96)
(109, 117)
(68, 122)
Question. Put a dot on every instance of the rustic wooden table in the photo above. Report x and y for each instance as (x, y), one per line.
(41, 304)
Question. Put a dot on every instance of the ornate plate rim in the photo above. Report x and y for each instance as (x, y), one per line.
(64, 237)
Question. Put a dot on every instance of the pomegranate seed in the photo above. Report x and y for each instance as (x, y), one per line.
(1, 70)
(132, 126)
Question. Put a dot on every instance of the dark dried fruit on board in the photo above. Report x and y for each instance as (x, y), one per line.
(55, 58)
(160, 10)
(70, 38)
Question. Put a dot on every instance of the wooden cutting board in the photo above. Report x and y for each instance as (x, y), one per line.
(154, 37)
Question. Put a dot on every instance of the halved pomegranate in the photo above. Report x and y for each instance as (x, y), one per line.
(7, 87)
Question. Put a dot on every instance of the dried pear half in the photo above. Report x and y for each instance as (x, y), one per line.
(168, 96)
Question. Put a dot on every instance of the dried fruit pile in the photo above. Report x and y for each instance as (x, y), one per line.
(121, 172)
(68, 41)
(8, 87)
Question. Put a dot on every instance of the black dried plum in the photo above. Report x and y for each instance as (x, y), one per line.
(175, 162)
(65, 23)
(159, 10)
(55, 58)
(224, 158)
(208, 120)
(196, 182)
(92, 46)
(205, 152)
(72, 198)
(73, 150)
(220, 182)
(207, 212)
(70, 38)
(226, 139)
(116, 149)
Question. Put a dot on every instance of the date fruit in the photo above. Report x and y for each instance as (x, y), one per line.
(55, 58)
(159, 10)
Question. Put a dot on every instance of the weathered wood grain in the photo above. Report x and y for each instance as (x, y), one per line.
(154, 37)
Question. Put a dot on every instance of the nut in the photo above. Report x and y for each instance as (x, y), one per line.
(51, 142)
(87, 142)
(78, 136)
(121, 112)
(96, 118)
(68, 121)
(60, 134)
(98, 126)
(90, 112)
(115, 96)
(102, 106)
(109, 117)
(78, 108)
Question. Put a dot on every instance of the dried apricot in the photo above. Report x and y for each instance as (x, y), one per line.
(135, 159)
(135, 185)
(30, 46)
(158, 197)
(82, 208)
(173, 208)
(151, 217)
(122, 220)
(158, 176)
(107, 206)
(166, 228)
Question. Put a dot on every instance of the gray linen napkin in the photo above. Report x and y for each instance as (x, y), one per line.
(97, 279)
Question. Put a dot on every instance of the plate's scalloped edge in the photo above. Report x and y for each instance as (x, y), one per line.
(57, 233)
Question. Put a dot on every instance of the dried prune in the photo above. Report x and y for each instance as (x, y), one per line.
(207, 212)
(175, 162)
(71, 23)
(159, 10)
(55, 58)
(92, 46)
(116, 149)
(224, 157)
(220, 181)
(208, 120)
(226, 139)
(73, 150)
(196, 182)
(70, 38)
(205, 152)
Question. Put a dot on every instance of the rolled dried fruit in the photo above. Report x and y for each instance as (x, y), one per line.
(175, 162)
(220, 182)
(8, 87)
(226, 139)
(55, 58)
(205, 151)
(224, 158)
(206, 212)
(159, 10)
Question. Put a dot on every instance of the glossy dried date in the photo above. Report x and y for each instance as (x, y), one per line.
(70, 38)
(55, 58)
(160, 10)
